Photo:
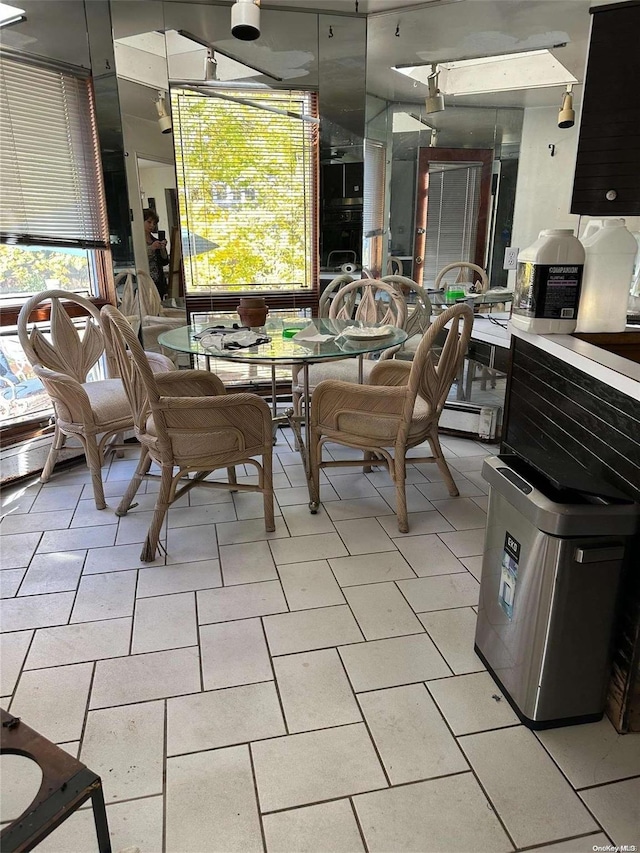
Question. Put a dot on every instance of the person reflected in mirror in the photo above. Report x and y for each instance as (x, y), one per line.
(156, 250)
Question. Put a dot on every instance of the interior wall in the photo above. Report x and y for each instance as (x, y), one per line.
(545, 182)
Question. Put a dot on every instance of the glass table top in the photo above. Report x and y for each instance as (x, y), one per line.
(286, 350)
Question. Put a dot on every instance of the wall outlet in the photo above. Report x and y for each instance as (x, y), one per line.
(510, 258)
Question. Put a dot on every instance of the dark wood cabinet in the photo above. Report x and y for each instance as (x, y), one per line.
(607, 176)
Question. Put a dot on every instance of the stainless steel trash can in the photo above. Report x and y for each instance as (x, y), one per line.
(550, 574)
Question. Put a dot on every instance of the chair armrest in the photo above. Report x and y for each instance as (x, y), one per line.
(189, 383)
(390, 372)
(69, 398)
(165, 322)
(177, 313)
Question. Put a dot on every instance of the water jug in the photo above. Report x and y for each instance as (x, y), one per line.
(609, 257)
(548, 280)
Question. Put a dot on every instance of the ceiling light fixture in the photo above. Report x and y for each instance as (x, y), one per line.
(245, 20)
(164, 119)
(567, 115)
(435, 100)
(11, 15)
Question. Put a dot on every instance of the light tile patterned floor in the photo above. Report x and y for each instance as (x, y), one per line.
(312, 689)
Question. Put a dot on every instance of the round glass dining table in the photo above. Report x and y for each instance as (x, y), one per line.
(333, 341)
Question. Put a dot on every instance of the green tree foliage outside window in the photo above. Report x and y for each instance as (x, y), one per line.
(246, 178)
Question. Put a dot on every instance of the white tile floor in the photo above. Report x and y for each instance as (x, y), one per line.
(312, 689)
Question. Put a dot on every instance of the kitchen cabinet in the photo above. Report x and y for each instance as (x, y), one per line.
(607, 175)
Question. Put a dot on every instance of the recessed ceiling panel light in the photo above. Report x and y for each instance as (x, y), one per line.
(11, 15)
(532, 69)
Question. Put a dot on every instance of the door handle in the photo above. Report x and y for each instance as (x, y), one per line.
(419, 259)
(421, 230)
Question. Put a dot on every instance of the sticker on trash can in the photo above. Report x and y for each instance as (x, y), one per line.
(509, 574)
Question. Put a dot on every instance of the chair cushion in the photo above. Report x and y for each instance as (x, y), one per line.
(347, 370)
(108, 400)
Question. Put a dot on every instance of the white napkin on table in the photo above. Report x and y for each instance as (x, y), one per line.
(311, 335)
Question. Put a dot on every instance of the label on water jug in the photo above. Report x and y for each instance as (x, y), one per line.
(547, 290)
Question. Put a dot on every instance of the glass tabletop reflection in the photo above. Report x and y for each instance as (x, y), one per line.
(286, 350)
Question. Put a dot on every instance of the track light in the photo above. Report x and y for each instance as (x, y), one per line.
(164, 119)
(567, 115)
(435, 102)
(245, 20)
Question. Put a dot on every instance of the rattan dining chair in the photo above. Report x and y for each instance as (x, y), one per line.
(187, 423)
(96, 412)
(399, 409)
(419, 310)
(143, 308)
(358, 300)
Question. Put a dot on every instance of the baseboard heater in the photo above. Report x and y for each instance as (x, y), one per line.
(471, 419)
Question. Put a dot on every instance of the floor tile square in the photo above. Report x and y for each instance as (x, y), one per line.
(234, 653)
(538, 806)
(306, 630)
(301, 522)
(453, 631)
(223, 718)
(472, 703)
(308, 585)
(54, 701)
(242, 601)
(345, 510)
(86, 515)
(14, 651)
(319, 546)
(593, 753)
(180, 577)
(87, 641)
(164, 622)
(390, 663)
(370, 568)
(462, 513)
(440, 491)
(53, 498)
(427, 816)
(300, 495)
(474, 565)
(365, 535)
(35, 521)
(616, 808)
(382, 611)
(125, 747)
(53, 573)
(353, 484)
(416, 501)
(321, 765)
(315, 691)
(465, 543)
(190, 544)
(192, 516)
(118, 558)
(18, 549)
(428, 555)
(77, 539)
(35, 611)
(247, 563)
(440, 592)
(10, 580)
(105, 597)
(139, 678)
(211, 795)
(413, 740)
(327, 826)
(251, 505)
(134, 526)
(251, 530)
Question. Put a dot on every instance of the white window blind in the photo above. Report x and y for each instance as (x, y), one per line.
(50, 167)
(373, 222)
(452, 216)
(246, 163)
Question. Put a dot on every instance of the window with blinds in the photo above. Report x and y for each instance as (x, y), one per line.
(452, 218)
(50, 168)
(247, 164)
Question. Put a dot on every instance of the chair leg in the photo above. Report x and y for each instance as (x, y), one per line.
(441, 462)
(267, 494)
(399, 476)
(148, 553)
(94, 461)
(142, 468)
(368, 455)
(231, 476)
(56, 444)
(314, 450)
